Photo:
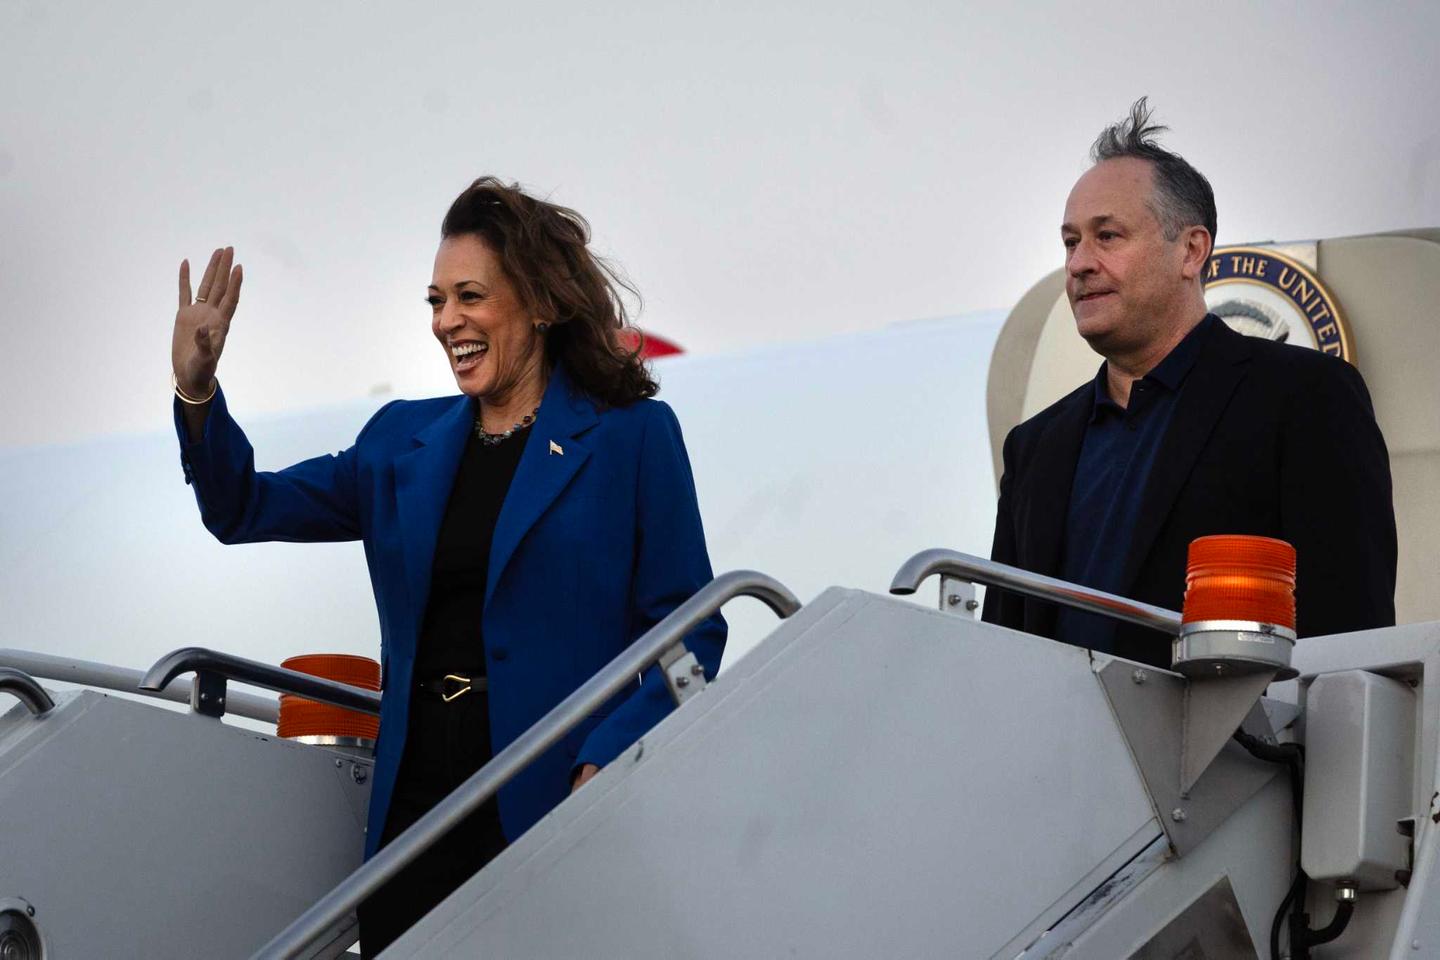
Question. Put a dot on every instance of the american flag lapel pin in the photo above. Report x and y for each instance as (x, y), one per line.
(556, 448)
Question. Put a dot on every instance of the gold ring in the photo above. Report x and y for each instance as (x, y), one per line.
(199, 299)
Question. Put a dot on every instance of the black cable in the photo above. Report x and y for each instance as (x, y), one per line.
(1335, 927)
(1295, 889)
(1299, 919)
(1299, 930)
(1302, 938)
(1293, 756)
(1270, 752)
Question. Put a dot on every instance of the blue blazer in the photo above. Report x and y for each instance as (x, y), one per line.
(598, 539)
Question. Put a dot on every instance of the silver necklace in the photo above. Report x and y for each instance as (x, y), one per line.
(495, 439)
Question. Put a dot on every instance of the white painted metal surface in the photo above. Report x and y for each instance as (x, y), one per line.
(863, 784)
(138, 832)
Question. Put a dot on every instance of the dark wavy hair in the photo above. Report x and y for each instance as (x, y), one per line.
(543, 249)
(1183, 197)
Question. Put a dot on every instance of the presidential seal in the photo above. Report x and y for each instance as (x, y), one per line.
(1261, 293)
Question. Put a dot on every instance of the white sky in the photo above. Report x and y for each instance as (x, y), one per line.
(761, 171)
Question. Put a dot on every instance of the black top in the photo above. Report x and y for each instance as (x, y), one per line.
(1116, 460)
(451, 640)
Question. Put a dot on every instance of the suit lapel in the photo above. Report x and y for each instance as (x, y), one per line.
(551, 459)
(423, 479)
(1203, 397)
(1046, 492)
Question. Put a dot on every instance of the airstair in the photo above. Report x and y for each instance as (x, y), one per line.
(876, 778)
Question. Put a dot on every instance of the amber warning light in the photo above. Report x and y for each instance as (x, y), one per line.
(1239, 614)
(311, 722)
(1240, 578)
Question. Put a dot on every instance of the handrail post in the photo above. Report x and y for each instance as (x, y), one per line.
(207, 693)
(660, 640)
(684, 676)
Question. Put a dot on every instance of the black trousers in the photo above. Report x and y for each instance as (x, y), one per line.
(447, 742)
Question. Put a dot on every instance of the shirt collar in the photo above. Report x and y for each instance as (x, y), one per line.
(1169, 373)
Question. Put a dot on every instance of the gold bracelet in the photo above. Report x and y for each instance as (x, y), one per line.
(175, 382)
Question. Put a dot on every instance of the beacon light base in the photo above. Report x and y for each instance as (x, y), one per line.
(1231, 648)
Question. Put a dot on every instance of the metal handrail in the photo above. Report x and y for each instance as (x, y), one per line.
(24, 688)
(962, 566)
(485, 782)
(255, 673)
(107, 676)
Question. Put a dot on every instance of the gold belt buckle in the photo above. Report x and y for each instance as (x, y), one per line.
(447, 697)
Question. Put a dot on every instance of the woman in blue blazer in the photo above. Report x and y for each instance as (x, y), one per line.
(526, 531)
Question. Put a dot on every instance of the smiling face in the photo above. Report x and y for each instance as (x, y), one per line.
(1128, 286)
(489, 337)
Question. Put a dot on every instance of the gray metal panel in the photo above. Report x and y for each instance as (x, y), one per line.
(864, 783)
(1359, 755)
(1053, 936)
(1158, 711)
(136, 831)
(1212, 926)
(1409, 652)
(1252, 849)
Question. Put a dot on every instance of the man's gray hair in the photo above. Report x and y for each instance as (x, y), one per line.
(1183, 197)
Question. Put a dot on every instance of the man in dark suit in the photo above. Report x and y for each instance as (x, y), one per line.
(1188, 428)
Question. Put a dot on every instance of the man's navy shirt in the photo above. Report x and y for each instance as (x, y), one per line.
(1111, 475)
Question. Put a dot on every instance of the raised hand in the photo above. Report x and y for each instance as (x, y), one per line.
(202, 325)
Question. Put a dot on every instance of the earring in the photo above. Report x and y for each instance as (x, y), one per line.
(541, 327)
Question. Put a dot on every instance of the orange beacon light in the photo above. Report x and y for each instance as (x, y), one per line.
(1239, 613)
(321, 723)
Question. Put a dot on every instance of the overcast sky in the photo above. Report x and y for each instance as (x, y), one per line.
(761, 171)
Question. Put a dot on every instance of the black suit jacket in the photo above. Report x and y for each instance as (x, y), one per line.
(1266, 439)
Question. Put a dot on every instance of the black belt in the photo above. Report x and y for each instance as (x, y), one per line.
(452, 686)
